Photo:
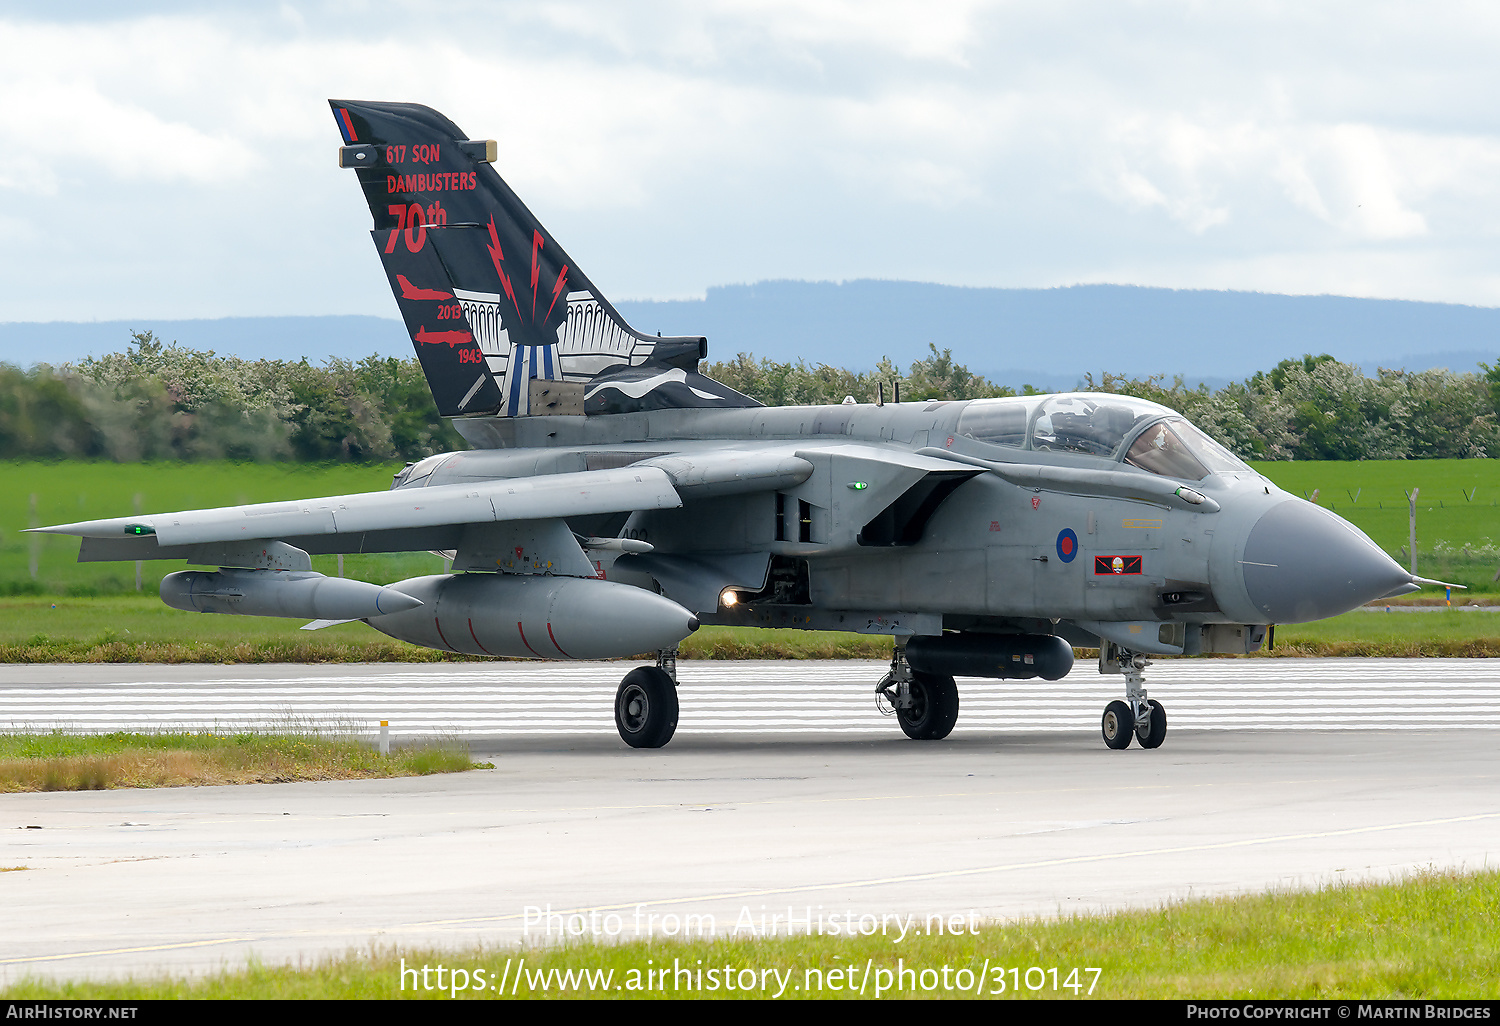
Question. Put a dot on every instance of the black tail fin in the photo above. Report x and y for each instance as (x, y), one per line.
(493, 304)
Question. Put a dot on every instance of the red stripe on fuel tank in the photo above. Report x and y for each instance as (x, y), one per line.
(440, 633)
(476, 639)
(554, 640)
(527, 643)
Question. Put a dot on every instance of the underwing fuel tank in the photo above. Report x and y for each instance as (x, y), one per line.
(296, 593)
(536, 616)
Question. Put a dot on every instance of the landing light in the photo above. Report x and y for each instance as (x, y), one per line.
(729, 597)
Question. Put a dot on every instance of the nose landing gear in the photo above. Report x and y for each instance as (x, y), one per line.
(1138, 716)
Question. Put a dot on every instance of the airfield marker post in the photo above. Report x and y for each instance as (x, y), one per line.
(385, 737)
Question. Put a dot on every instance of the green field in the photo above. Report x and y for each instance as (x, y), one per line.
(1458, 506)
(139, 628)
(1458, 510)
(70, 491)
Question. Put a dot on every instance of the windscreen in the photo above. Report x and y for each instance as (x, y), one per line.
(1175, 448)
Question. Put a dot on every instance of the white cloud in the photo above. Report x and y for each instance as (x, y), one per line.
(108, 105)
(676, 145)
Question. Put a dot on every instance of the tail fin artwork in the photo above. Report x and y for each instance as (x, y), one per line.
(499, 314)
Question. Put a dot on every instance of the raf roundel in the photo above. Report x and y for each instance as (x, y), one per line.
(1067, 545)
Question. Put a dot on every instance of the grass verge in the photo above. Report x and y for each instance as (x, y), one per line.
(91, 762)
(136, 629)
(1430, 936)
(139, 629)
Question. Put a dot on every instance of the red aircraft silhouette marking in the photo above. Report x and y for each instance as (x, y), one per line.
(410, 291)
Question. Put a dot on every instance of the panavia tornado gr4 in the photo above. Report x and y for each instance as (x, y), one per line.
(615, 498)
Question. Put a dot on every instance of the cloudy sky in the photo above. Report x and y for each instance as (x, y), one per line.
(179, 160)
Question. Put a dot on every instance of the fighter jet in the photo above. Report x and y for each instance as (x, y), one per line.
(615, 498)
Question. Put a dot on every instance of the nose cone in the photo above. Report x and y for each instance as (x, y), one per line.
(1304, 563)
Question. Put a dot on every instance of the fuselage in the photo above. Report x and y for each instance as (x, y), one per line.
(1085, 509)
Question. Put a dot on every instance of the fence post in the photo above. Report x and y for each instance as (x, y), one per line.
(136, 502)
(1411, 500)
(36, 539)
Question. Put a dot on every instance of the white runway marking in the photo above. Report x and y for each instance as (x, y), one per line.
(732, 697)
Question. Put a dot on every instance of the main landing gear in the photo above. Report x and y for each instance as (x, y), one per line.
(646, 703)
(1137, 717)
(925, 704)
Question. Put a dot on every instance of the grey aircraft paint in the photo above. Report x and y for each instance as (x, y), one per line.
(615, 498)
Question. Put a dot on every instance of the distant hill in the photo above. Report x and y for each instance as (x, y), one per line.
(1049, 337)
(1044, 337)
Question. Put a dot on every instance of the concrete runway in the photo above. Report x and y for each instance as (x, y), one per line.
(1001, 820)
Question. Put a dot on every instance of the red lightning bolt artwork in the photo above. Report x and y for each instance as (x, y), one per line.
(536, 247)
(562, 278)
(495, 257)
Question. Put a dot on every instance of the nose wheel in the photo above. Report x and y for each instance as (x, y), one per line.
(1137, 717)
(1118, 725)
(1154, 731)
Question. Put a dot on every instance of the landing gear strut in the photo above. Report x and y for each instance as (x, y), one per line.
(925, 704)
(646, 703)
(1137, 716)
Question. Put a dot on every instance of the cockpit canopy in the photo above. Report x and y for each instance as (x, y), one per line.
(1116, 427)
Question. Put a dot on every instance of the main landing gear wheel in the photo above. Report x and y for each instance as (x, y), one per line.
(646, 708)
(933, 710)
(1118, 725)
(1154, 731)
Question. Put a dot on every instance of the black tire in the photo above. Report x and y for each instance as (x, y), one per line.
(646, 708)
(1118, 725)
(934, 708)
(1156, 732)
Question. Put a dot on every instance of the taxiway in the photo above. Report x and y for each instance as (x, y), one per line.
(1274, 777)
